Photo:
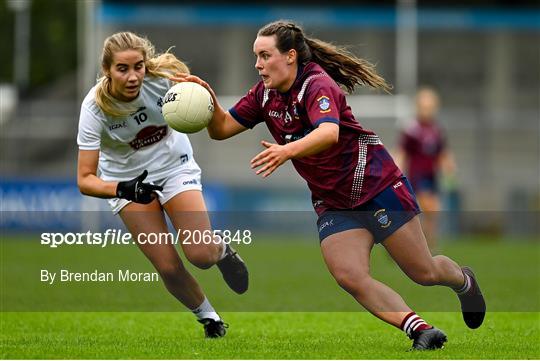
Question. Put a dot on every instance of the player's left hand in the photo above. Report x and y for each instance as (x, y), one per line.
(270, 159)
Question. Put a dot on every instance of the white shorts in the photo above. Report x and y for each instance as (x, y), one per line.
(186, 179)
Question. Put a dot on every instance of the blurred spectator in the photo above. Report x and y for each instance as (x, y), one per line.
(424, 156)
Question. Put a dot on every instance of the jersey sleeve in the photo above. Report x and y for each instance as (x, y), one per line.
(248, 110)
(323, 102)
(90, 128)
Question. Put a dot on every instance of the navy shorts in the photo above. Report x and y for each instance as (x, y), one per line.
(381, 216)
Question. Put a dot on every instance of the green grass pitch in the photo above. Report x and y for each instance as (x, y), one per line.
(293, 310)
(257, 335)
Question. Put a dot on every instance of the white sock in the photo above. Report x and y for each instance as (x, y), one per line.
(205, 310)
(223, 249)
(413, 322)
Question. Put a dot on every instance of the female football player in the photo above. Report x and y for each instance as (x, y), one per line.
(360, 195)
(422, 154)
(147, 170)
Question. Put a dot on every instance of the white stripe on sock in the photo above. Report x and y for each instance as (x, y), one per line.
(415, 324)
(409, 321)
(466, 287)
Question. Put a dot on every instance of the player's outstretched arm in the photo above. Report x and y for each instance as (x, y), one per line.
(222, 125)
(87, 180)
(91, 185)
(322, 138)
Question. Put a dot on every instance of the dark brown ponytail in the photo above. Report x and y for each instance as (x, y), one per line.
(345, 68)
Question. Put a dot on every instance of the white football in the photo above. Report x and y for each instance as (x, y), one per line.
(187, 107)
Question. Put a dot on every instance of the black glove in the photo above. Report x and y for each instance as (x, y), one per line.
(137, 191)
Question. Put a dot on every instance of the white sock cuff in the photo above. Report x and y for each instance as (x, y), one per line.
(412, 323)
(466, 286)
(204, 306)
(223, 248)
(205, 310)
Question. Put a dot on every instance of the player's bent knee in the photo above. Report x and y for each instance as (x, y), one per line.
(425, 277)
(350, 282)
(171, 273)
(201, 258)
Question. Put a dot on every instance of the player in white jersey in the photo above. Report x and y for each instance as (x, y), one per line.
(128, 154)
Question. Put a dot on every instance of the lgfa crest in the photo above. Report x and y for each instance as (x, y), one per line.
(324, 104)
(382, 218)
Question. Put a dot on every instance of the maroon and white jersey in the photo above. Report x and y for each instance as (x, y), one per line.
(343, 176)
(423, 143)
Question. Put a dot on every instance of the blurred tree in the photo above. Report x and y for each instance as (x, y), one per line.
(53, 40)
(7, 24)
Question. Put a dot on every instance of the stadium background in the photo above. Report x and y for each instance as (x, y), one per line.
(483, 59)
(482, 56)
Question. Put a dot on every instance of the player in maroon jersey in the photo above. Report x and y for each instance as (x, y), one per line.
(422, 154)
(360, 195)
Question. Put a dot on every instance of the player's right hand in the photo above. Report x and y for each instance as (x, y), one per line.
(136, 191)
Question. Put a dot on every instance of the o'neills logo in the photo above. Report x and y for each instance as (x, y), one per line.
(148, 136)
